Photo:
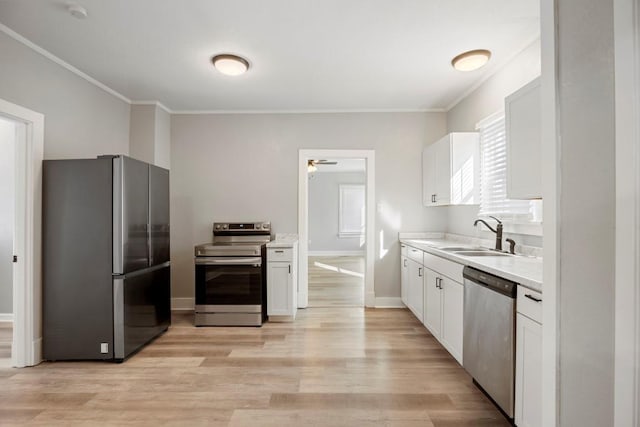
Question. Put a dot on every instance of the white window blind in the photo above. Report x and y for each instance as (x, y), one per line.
(352, 212)
(493, 182)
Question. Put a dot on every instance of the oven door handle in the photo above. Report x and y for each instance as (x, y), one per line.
(228, 261)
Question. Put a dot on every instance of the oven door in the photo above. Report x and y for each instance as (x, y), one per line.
(227, 281)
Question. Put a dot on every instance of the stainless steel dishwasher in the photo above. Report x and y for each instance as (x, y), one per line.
(489, 335)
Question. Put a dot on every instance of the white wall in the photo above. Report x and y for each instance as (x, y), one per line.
(586, 211)
(324, 206)
(244, 167)
(482, 102)
(81, 120)
(162, 153)
(142, 135)
(7, 191)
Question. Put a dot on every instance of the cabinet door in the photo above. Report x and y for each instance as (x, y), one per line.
(528, 411)
(443, 171)
(452, 317)
(524, 142)
(429, 176)
(432, 312)
(279, 284)
(404, 279)
(416, 272)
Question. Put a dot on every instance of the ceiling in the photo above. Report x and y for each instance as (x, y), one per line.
(305, 55)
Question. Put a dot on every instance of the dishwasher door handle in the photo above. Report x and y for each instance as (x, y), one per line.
(531, 297)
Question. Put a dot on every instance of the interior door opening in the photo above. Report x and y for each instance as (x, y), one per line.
(336, 199)
(8, 136)
(337, 225)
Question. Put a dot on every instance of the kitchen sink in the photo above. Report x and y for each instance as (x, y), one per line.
(456, 249)
(484, 252)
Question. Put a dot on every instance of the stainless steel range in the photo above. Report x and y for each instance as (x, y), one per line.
(231, 285)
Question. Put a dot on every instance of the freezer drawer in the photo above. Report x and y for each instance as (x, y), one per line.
(142, 308)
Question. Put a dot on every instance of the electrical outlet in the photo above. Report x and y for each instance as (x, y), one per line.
(104, 347)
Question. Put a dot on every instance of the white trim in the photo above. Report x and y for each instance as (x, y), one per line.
(303, 218)
(6, 317)
(627, 282)
(551, 227)
(27, 286)
(336, 253)
(50, 56)
(156, 103)
(183, 304)
(389, 302)
(491, 73)
(315, 111)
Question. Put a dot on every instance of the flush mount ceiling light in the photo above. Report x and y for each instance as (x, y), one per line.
(230, 65)
(471, 60)
(77, 11)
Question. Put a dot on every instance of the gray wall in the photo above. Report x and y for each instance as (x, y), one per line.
(150, 134)
(324, 205)
(7, 196)
(482, 102)
(81, 120)
(586, 211)
(245, 167)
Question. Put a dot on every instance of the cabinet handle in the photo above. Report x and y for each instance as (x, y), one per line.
(279, 252)
(419, 272)
(439, 282)
(433, 198)
(405, 262)
(531, 297)
(289, 268)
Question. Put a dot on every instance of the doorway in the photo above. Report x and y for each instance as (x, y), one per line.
(336, 266)
(337, 227)
(8, 130)
(26, 307)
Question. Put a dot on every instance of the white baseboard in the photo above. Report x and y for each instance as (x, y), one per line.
(389, 302)
(6, 317)
(36, 348)
(183, 304)
(336, 253)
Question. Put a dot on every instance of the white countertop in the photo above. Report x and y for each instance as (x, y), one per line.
(283, 241)
(524, 270)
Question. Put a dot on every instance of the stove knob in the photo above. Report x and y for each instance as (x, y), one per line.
(224, 227)
(265, 226)
(217, 226)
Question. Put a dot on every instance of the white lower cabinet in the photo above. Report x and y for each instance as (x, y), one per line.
(415, 288)
(404, 280)
(282, 286)
(528, 410)
(452, 316)
(443, 311)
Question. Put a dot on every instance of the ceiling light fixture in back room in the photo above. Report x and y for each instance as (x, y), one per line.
(230, 65)
(471, 60)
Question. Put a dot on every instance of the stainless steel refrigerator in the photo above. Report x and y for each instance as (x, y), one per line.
(106, 269)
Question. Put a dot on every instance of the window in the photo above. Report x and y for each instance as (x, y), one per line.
(493, 181)
(352, 212)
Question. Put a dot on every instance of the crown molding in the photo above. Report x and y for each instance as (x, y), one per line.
(64, 64)
(156, 103)
(319, 111)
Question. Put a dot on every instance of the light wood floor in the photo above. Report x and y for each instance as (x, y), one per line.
(332, 367)
(336, 281)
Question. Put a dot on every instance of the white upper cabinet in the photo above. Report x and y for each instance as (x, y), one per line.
(524, 144)
(451, 170)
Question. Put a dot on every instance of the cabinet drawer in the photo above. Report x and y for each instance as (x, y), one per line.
(415, 254)
(451, 269)
(279, 254)
(529, 304)
(403, 249)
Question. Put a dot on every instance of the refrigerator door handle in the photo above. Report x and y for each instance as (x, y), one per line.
(118, 230)
(118, 318)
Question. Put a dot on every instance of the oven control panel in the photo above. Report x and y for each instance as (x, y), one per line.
(242, 226)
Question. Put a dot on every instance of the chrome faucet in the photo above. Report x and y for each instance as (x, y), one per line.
(498, 230)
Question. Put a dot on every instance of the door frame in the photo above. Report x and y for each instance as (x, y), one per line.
(26, 349)
(303, 219)
(627, 281)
